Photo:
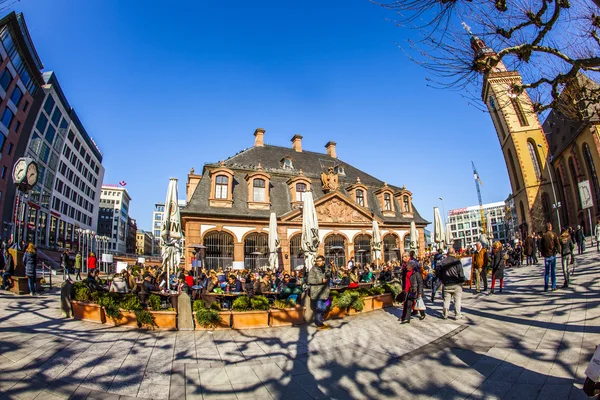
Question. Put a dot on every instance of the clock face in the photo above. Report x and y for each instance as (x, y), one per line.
(19, 171)
(32, 174)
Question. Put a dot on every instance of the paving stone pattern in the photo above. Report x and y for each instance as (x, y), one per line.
(520, 344)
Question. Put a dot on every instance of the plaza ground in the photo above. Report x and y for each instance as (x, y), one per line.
(520, 344)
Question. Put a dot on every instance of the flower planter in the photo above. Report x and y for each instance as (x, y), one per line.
(368, 306)
(249, 319)
(383, 300)
(287, 316)
(225, 323)
(335, 313)
(128, 319)
(166, 320)
(88, 312)
(368, 303)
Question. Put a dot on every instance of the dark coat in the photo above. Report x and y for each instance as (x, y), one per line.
(528, 246)
(498, 264)
(416, 282)
(9, 264)
(30, 261)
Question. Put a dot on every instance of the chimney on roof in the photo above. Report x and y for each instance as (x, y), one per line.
(330, 146)
(259, 137)
(297, 143)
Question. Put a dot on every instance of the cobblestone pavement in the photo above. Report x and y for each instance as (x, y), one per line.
(519, 344)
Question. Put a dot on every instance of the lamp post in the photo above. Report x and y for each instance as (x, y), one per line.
(556, 204)
(443, 211)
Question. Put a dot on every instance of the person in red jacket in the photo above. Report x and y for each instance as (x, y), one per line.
(91, 261)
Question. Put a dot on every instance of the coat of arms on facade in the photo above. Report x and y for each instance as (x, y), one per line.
(329, 180)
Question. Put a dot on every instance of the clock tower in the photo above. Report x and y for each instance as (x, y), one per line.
(521, 138)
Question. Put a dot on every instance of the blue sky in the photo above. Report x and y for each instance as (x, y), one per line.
(166, 86)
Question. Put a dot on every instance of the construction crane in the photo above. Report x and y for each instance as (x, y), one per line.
(478, 183)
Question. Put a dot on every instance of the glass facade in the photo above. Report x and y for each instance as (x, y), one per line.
(465, 224)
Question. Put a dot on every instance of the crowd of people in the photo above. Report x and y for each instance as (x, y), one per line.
(436, 270)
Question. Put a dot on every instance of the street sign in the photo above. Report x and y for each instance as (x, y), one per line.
(585, 194)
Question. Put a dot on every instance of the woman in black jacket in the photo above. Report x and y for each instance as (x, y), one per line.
(497, 260)
(30, 261)
(413, 289)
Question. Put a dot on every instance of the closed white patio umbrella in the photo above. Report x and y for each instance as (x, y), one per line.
(170, 232)
(273, 242)
(414, 236)
(376, 242)
(438, 228)
(310, 231)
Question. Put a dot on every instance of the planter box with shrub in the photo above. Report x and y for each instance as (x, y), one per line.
(210, 318)
(166, 320)
(286, 314)
(383, 300)
(250, 312)
(88, 311)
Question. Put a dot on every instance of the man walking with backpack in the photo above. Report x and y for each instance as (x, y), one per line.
(549, 246)
(580, 239)
(452, 276)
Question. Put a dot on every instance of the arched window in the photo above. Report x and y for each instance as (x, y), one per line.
(362, 249)
(259, 190)
(575, 181)
(513, 170)
(406, 204)
(296, 254)
(219, 250)
(360, 197)
(387, 202)
(497, 117)
(516, 103)
(335, 249)
(589, 161)
(390, 247)
(256, 251)
(300, 190)
(534, 160)
(546, 208)
(221, 187)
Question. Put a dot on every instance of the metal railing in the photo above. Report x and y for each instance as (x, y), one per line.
(256, 263)
(216, 262)
(50, 273)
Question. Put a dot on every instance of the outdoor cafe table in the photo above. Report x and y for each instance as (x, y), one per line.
(220, 297)
(364, 285)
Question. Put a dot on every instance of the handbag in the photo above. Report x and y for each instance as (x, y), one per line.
(420, 306)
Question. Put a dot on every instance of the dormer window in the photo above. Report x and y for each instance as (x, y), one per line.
(258, 190)
(286, 163)
(387, 202)
(221, 187)
(404, 197)
(406, 204)
(360, 197)
(300, 191)
(340, 170)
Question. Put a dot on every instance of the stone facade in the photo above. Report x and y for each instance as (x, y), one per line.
(229, 204)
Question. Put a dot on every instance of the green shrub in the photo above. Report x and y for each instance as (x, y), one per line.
(198, 305)
(130, 302)
(333, 294)
(393, 288)
(358, 303)
(376, 291)
(111, 306)
(83, 294)
(259, 303)
(154, 302)
(364, 292)
(208, 318)
(343, 301)
(144, 318)
(242, 303)
(215, 305)
(280, 304)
